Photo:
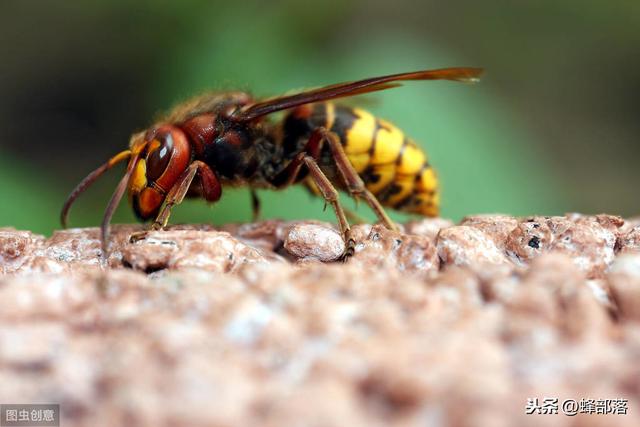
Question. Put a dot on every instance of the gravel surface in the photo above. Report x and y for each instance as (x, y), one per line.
(256, 324)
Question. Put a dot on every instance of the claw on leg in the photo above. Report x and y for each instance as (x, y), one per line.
(349, 249)
(138, 236)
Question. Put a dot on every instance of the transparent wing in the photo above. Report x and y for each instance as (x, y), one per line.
(341, 90)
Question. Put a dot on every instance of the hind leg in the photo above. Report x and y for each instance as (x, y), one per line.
(352, 181)
(330, 195)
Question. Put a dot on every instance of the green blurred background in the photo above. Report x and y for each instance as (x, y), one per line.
(553, 127)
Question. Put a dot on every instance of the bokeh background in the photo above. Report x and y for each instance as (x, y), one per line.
(553, 127)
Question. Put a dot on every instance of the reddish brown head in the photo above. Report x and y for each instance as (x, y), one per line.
(157, 159)
(164, 156)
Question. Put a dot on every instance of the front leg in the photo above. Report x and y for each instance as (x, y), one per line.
(211, 190)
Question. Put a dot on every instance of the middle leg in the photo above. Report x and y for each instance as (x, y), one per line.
(255, 205)
(353, 182)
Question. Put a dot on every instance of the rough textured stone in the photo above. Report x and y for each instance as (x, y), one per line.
(589, 241)
(17, 248)
(532, 237)
(629, 241)
(436, 325)
(624, 280)
(497, 227)
(176, 249)
(390, 249)
(465, 245)
(428, 227)
(314, 241)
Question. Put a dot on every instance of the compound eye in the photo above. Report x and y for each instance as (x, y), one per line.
(158, 159)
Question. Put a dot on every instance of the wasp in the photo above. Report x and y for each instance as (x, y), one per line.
(230, 139)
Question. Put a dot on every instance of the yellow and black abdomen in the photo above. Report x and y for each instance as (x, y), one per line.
(391, 165)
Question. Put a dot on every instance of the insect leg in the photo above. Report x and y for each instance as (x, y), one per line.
(255, 205)
(355, 185)
(330, 195)
(289, 174)
(308, 157)
(210, 187)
